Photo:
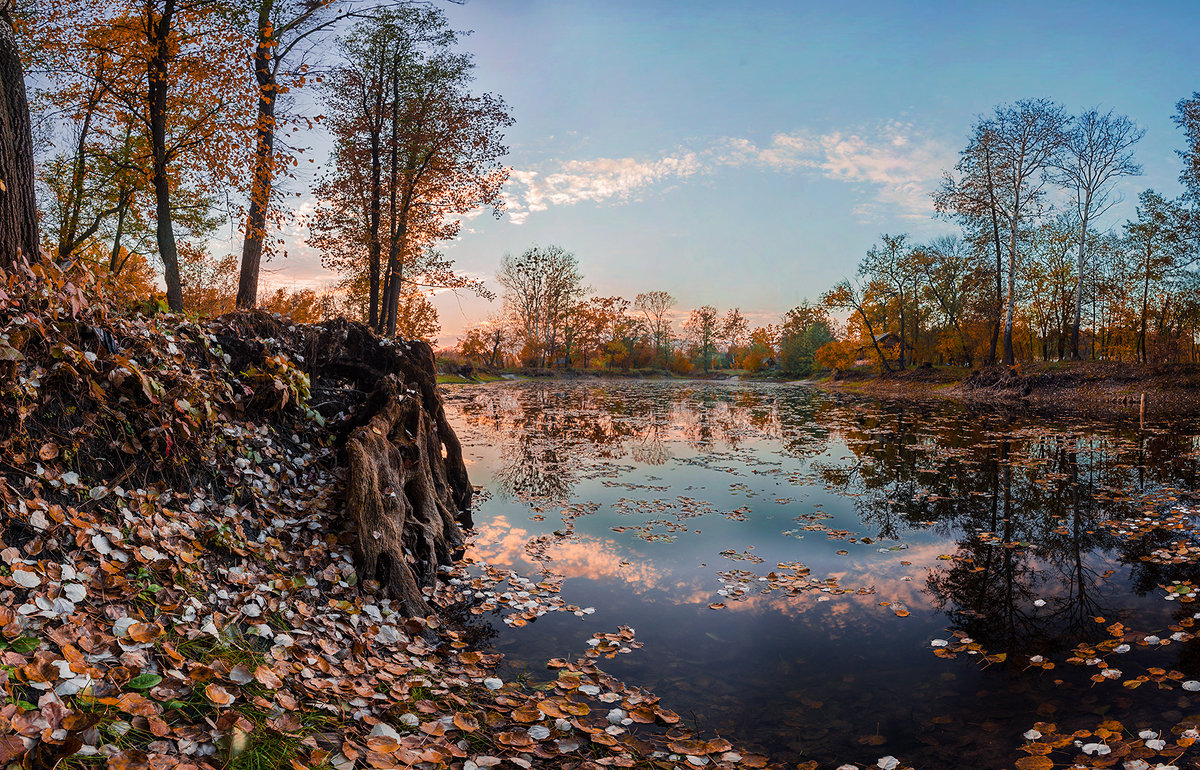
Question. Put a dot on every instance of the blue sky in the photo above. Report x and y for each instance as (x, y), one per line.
(749, 153)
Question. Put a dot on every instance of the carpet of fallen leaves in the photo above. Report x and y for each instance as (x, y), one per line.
(177, 589)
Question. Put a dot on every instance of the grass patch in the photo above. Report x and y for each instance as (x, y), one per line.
(453, 379)
(266, 751)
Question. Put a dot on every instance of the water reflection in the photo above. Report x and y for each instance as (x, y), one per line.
(901, 522)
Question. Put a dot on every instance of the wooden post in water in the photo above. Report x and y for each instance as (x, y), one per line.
(1142, 413)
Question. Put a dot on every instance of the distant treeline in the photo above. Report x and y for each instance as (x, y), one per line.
(1029, 276)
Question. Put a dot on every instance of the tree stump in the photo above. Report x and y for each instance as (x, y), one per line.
(407, 491)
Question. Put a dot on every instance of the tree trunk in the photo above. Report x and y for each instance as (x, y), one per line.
(991, 359)
(374, 248)
(1009, 354)
(264, 165)
(18, 207)
(1145, 307)
(1079, 283)
(158, 85)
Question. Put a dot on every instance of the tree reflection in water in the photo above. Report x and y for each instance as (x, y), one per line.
(1011, 522)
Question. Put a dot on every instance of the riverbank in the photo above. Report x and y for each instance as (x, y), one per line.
(1087, 386)
(1099, 387)
(232, 544)
(469, 376)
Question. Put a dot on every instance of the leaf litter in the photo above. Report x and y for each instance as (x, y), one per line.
(174, 590)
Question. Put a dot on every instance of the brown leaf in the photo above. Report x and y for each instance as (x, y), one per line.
(160, 728)
(693, 747)
(267, 678)
(218, 694)
(11, 747)
(527, 714)
(465, 722)
(436, 729)
(384, 744)
(138, 705)
(131, 759)
(1034, 763)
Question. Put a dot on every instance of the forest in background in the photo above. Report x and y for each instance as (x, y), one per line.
(1029, 276)
(159, 123)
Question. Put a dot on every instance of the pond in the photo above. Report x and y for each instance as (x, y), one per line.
(819, 576)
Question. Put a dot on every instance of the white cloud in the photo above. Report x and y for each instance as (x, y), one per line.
(896, 165)
(595, 180)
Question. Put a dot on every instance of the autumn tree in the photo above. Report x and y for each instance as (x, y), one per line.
(281, 31)
(485, 344)
(761, 348)
(805, 330)
(895, 272)
(734, 328)
(1028, 138)
(1050, 282)
(655, 307)
(164, 81)
(1097, 150)
(541, 287)
(301, 305)
(413, 149)
(952, 275)
(704, 328)
(187, 45)
(1158, 241)
(852, 297)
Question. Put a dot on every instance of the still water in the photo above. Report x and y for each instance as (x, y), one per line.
(788, 558)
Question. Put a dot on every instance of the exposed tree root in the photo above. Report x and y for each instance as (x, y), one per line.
(407, 490)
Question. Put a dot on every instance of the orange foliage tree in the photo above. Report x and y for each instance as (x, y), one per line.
(163, 80)
(414, 149)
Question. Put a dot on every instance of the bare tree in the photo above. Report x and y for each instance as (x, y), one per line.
(1028, 139)
(1097, 149)
(654, 306)
(972, 198)
(704, 325)
(896, 270)
(540, 288)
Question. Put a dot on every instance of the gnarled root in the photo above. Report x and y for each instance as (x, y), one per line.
(400, 498)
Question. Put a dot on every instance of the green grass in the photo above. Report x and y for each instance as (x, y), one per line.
(452, 379)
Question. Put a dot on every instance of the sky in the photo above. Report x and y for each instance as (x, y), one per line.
(749, 153)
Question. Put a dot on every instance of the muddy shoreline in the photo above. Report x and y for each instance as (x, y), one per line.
(1100, 388)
